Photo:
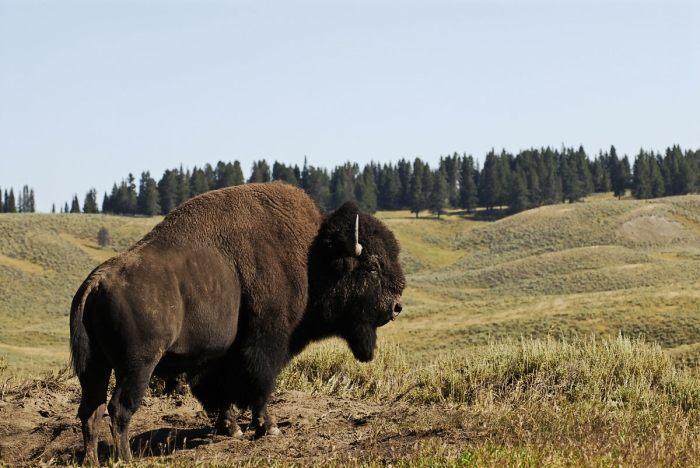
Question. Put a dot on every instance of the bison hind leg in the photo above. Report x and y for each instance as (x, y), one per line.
(226, 423)
(264, 424)
(127, 397)
(94, 381)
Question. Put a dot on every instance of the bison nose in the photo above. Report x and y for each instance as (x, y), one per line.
(397, 310)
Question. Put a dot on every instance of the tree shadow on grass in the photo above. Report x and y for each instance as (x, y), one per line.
(488, 215)
(478, 215)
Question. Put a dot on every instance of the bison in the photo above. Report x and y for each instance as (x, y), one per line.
(227, 289)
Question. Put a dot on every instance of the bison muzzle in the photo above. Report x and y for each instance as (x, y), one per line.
(227, 289)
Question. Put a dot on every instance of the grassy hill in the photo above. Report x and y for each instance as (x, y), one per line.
(600, 267)
(603, 267)
(43, 260)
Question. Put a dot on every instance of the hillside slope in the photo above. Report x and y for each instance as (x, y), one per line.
(602, 267)
(43, 260)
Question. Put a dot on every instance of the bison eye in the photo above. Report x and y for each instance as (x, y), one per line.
(374, 270)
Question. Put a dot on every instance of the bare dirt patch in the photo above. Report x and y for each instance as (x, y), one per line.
(653, 229)
(39, 425)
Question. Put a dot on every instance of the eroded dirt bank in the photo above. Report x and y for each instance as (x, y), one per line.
(39, 425)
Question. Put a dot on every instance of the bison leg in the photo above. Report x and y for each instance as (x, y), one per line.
(126, 399)
(263, 423)
(93, 402)
(226, 423)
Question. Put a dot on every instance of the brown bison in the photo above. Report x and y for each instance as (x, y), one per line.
(227, 289)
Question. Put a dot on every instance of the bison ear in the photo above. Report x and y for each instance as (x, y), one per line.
(353, 245)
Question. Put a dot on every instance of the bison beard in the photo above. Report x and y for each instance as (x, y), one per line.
(227, 289)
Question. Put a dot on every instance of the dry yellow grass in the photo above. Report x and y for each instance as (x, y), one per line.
(603, 267)
(43, 260)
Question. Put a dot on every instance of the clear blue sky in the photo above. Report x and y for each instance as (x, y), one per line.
(90, 91)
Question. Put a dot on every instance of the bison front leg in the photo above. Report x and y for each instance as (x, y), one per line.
(226, 422)
(263, 423)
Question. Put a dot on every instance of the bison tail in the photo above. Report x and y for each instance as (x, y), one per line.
(79, 338)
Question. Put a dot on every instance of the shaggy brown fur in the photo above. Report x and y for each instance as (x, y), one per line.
(227, 288)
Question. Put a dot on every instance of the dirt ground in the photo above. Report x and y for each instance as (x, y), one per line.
(39, 425)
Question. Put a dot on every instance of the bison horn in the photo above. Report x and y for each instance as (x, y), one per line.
(358, 247)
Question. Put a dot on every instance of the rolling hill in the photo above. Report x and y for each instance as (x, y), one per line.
(605, 267)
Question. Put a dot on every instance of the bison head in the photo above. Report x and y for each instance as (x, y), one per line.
(355, 279)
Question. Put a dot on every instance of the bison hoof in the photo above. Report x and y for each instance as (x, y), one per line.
(267, 431)
(225, 428)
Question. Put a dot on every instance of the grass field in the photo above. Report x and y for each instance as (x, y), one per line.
(43, 260)
(519, 344)
(605, 267)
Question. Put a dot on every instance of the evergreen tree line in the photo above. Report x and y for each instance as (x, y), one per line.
(24, 203)
(531, 178)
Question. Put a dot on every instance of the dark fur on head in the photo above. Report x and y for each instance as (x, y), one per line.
(353, 296)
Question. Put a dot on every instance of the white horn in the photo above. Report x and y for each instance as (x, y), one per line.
(358, 247)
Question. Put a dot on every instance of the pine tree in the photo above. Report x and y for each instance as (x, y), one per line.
(131, 196)
(2, 202)
(316, 184)
(32, 203)
(389, 188)
(148, 195)
(168, 191)
(183, 184)
(24, 200)
(490, 189)
(366, 190)
(237, 174)
(641, 188)
(428, 180)
(53, 207)
(618, 177)
(404, 169)
(285, 173)
(686, 177)
(210, 176)
(439, 193)
(260, 172)
(584, 180)
(120, 200)
(567, 178)
(343, 183)
(199, 182)
(658, 188)
(90, 205)
(533, 187)
(11, 204)
(518, 199)
(416, 195)
(600, 177)
(451, 167)
(626, 172)
(75, 205)
(505, 162)
(467, 187)
(550, 183)
(65, 208)
(109, 200)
